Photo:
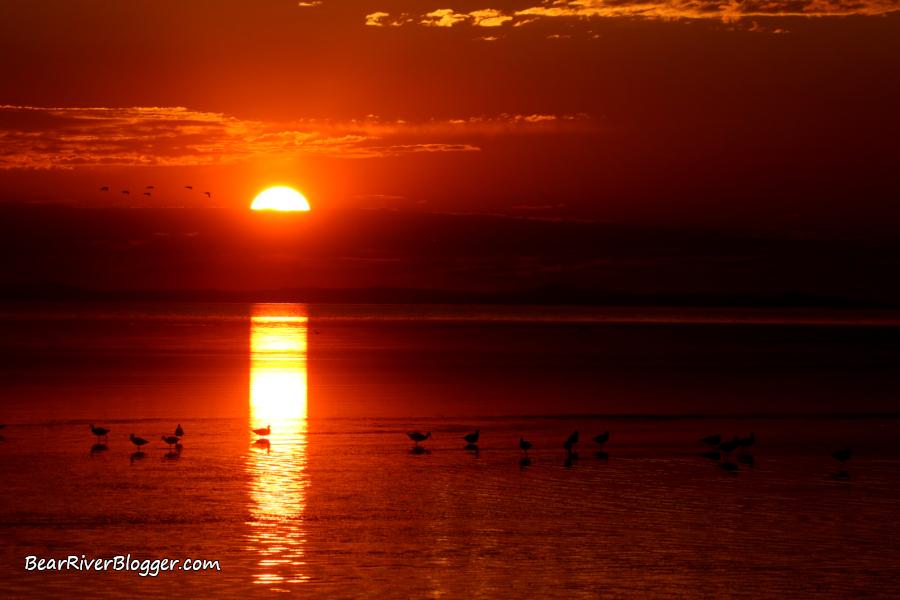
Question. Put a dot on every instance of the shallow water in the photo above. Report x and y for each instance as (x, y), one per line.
(339, 503)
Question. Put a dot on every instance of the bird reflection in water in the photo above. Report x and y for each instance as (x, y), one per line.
(841, 456)
(471, 441)
(98, 448)
(278, 400)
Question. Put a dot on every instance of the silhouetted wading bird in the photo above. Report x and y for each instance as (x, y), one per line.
(728, 447)
(170, 440)
(472, 437)
(573, 439)
(713, 440)
(841, 456)
(179, 431)
(265, 431)
(418, 437)
(582, 330)
(569, 454)
(524, 445)
(99, 432)
(138, 441)
(602, 439)
(747, 442)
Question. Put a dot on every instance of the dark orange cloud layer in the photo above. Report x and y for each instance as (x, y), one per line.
(728, 10)
(72, 137)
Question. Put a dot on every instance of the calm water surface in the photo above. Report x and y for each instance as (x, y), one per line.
(340, 504)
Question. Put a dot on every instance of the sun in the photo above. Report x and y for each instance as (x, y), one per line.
(280, 198)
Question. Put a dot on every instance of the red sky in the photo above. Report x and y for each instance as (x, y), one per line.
(778, 117)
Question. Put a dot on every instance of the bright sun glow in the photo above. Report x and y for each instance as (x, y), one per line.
(280, 198)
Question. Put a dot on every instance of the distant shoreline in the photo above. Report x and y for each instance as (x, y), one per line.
(540, 296)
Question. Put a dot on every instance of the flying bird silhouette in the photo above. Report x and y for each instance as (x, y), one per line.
(208, 195)
(125, 192)
(146, 193)
(104, 189)
(187, 187)
(149, 187)
(418, 437)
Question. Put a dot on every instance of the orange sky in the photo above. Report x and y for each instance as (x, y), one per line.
(777, 116)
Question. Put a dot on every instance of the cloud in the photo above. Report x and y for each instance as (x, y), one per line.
(724, 10)
(309, 4)
(377, 19)
(756, 28)
(443, 18)
(42, 138)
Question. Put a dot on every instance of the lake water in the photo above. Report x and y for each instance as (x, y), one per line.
(341, 504)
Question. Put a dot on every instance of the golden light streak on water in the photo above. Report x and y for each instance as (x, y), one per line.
(278, 398)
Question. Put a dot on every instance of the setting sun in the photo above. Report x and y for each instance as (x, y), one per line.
(280, 198)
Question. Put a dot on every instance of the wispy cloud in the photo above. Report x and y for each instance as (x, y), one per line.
(724, 10)
(446, 17)
(74, 137)
(377, 19)
(309, 4)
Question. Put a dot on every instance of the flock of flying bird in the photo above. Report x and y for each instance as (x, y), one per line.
(150, 187)
(714, 442)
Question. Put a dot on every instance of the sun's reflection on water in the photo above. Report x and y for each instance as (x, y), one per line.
(278, 353)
